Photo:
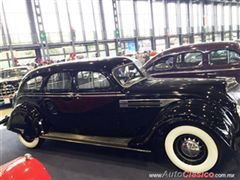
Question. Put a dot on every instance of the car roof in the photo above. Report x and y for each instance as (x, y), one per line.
(106, 63)
(209, 46)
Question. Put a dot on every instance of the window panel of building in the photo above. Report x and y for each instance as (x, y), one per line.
(50, 20)
(109, 18)
(159, 20)
(19, 29)
(64, 20)
(144, 18)
(226, 17)
(234, 17)
(128, 24)
(76, 24)
(88, 20)
(219, 17)
(97, 18)
(184, 18)
(172, 18)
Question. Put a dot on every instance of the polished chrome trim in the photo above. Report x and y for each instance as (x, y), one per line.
(132, 103)
(195, 71)
(120, 143)
(78, 94)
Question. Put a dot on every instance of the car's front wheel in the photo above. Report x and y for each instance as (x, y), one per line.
(29, 142)
(191, 149)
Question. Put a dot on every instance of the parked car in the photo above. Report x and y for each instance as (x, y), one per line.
(9, 81)
(214, 59)
(110, 103)
(25, 167)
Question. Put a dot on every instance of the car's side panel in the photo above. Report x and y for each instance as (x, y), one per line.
(191, 111)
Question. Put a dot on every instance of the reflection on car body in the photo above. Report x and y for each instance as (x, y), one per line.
(110, 102)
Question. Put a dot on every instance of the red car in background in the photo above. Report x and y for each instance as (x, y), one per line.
(215, 59)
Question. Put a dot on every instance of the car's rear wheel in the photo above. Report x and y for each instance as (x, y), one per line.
(29, 142)
(191, 148)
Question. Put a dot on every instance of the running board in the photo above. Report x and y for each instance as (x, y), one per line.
(120, 143)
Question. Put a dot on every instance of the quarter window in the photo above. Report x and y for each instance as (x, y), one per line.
(91, 80)
(189, 60)
(223, 56)
(59, 81)
(33, 84)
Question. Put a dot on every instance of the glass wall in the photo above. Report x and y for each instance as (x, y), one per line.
(159, 18)
(17, 21)
(128, 27)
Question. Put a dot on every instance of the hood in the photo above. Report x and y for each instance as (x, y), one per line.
(178, 86)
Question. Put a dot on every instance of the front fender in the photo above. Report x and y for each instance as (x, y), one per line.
(197, 112)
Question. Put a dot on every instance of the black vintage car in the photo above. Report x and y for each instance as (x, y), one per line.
(110, 103)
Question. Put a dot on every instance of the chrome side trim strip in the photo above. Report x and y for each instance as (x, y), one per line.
(119, 143)
(144, 103)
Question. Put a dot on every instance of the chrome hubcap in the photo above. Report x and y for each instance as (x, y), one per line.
(190, 147)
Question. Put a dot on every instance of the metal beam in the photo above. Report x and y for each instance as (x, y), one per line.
(8, 35)
(72, 30)
(152, 31)
(117, 27)
(42, 33)
(32, 21)
(136, 30)
(167, 38)
(95, 31)
(103, 26)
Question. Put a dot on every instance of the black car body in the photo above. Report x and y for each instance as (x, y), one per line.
(9, 81)
(109, 102)
(212, 59)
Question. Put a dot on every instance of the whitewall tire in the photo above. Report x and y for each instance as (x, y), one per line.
(191, 149)
(29, 143)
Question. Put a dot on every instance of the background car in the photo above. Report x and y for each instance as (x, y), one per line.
(9, 81)
(215, 59)
(109, 102)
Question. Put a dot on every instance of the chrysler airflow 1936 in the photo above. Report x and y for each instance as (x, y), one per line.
(109, 102)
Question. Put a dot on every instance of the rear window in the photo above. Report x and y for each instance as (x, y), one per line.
(223, 56)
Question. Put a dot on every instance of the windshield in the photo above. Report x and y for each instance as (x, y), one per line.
(127, 74)
(9, 73)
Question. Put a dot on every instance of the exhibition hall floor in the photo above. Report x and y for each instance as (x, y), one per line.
(75, 161)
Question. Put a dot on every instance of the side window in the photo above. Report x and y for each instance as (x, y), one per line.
(218, 57)
(189, 60)
(59, 81)
(91, 80)
(162, 64)
(234, 57)
(33, 84)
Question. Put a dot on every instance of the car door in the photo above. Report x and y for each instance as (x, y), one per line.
(58, 101)
(96, 104)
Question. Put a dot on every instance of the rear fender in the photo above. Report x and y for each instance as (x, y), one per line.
(26, 119)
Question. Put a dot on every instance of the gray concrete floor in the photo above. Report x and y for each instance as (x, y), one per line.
(74, 161)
